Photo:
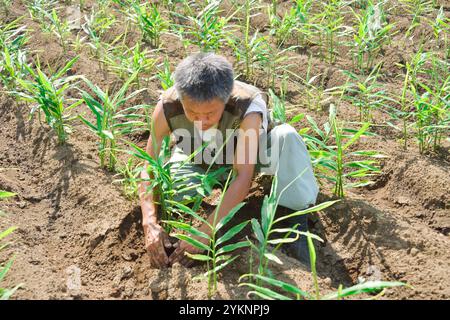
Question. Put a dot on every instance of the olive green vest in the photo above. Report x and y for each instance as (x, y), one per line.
(235, 109)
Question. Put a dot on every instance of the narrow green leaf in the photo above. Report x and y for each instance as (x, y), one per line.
(7, 232)
(186, 227)
(272, 257)
(232, 247)
(280, 284)
(306, 211)
(231, 233)
(194, 242)
(365, 287)
(198, 257)
(257, 230)
(265, 292)
(6, 194)
(356, 136)
(229, 216)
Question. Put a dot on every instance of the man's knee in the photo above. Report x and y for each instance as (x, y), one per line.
(285, 133)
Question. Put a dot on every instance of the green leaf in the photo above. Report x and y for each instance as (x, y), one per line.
(297, 118)
(306, 211)
(66, 67)
(188, 210)
(199, 257)
(5, 269)
(282, 240)
(90, 125)
(220, 267)
(356, 136)
(365, 287)
(280, 284)
(108, 134)
(291, 230)
(257, 230)
(368, 153)
(229, 216)
(265, 292)
(231, 233)
(6, 194)
(321, 154)
(232, 247)
(273, 257)
(7, 232)
(188, 228)
(194, 242)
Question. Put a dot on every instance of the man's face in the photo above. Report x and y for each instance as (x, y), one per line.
(203, 114)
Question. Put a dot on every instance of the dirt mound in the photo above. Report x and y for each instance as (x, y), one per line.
(362, 241)
(418, 185)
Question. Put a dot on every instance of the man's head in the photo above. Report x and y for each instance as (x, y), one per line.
(204, 82)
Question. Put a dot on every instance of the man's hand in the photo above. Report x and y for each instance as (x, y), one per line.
(156, 240)
(155, 237)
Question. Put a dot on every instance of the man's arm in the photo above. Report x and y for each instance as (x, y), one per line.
(244, 166)
(154, 234)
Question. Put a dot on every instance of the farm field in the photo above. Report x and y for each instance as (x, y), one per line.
(368, 78)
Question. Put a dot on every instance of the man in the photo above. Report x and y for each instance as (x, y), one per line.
(206, 102)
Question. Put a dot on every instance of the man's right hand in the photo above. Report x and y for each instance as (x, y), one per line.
(156, 239)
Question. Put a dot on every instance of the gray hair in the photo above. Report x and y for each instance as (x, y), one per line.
(204, 77)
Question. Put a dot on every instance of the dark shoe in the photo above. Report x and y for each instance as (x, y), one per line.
(298, 249)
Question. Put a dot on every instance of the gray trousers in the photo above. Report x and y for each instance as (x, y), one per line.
(283, 154)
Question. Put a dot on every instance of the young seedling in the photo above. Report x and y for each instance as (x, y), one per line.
(96, 26)
(332, 162)
(417, 9)
(149, 20)
(6, 293)
(371, 34)
(47, 93)
(330, 28)
(303, 26)
(217, 250)
(268, 233)
(165, 75)
(13, 36)
(208, 30)
(58, 27)
(112, 121)
(265, 286)
(316, 94)
(129, 174)
(6, 5)
(431, 115)
(413, 68)
(12, 68)
(272, 61)
(441, 30)
(281, 29)
(124, 64)
(278, 107)
(246, 48)
(437, 70)
(366, 94)
(39, 10)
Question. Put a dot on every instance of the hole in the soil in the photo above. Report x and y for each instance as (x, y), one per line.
(444, 230)
(133, 218)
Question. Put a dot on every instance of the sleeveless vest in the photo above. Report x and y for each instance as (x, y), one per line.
(241, 97)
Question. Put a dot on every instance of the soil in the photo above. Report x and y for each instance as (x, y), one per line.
(79, 237)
